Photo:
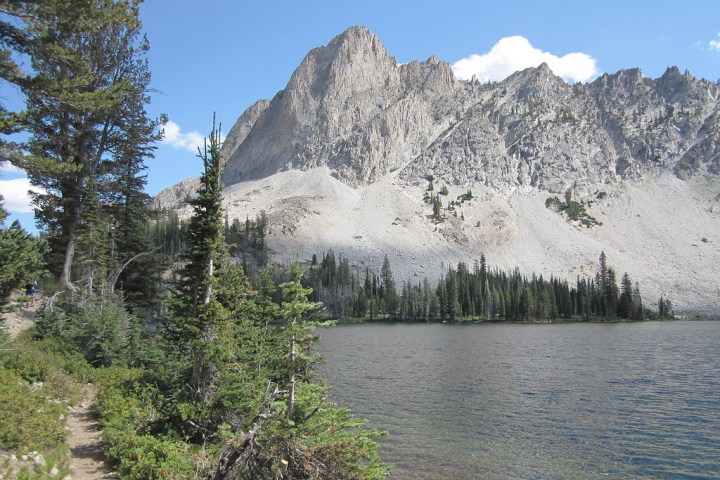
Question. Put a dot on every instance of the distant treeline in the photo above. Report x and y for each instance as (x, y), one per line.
(463, 293)
(479, 293)
(245, 240)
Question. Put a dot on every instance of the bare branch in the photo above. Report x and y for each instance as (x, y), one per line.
(115, 275)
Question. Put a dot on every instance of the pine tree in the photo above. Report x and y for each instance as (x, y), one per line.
(196, 319)
(21, 257)
(88, 83)
(638, 309)
(299, 332)
(437, 215)
(453, 303)
(611, 296)
(137, 266)
(626, 304)
(92, 259)
(391, 296)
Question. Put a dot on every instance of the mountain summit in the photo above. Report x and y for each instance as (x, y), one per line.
(344, 158)
(348, 106)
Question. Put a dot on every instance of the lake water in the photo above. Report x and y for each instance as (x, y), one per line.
(563, 401)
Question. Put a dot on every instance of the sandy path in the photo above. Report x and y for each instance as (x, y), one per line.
(87, 461)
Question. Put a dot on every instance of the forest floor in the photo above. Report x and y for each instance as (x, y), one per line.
(87, 461)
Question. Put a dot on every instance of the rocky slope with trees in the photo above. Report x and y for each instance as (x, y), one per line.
(346, 155)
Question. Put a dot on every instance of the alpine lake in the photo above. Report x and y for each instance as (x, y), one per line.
(517, 401)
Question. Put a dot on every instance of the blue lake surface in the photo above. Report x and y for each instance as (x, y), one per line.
(560, 401)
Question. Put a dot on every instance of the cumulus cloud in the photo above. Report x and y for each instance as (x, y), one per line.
(715, 44)
(512, 54)
(15, 195)
(189, 141)
(184, 140)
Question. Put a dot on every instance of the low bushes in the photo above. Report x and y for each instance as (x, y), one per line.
(131, 412)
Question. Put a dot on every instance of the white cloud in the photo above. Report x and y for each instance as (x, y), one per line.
(185, 140)
(512, 54)
(7, 167)
(715, 44)
(190, 141)
(15, 195)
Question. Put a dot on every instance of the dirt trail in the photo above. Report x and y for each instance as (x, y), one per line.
(87, 461)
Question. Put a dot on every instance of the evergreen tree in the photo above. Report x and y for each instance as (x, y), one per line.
(93, 250)
(391, 296)
(437, 215)
(452, 289)
(85, 108)
(638, 309)
(137, 268)
(603, 281)
(299, 332)
(626, 304)
(196, 319)
(610, 298)
(21, 257)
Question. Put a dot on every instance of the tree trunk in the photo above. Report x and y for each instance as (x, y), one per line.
(293, 356)
(64, 279)
(208, 288)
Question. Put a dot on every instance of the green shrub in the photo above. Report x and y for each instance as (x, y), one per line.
(133, 419)
(38, 380)
(48, 361)
(28, 419)
(574, 210)
(147, 457)
(98, 326)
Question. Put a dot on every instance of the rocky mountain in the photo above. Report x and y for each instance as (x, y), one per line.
(342, 157)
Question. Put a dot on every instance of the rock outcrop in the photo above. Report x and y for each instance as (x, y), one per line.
(349, 106)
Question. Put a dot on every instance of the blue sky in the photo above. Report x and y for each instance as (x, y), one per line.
(223, 55)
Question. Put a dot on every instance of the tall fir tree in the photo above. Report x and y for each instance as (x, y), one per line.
(196, 319)
(391, 295)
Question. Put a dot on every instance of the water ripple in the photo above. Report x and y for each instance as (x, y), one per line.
(535, 401)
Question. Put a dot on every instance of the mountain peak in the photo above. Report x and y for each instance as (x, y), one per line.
(356, 44)
(541, 73)
(350, 107)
